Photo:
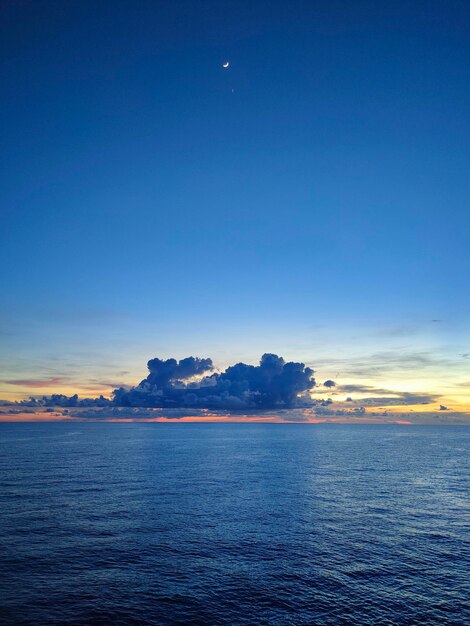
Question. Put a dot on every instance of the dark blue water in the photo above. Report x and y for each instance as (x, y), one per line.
(234, 524)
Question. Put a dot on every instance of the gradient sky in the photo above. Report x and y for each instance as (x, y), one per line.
(310, 200)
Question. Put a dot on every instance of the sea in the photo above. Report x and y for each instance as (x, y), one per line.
(234, 523)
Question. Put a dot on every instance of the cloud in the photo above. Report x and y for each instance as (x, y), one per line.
(193, 387)
(191, 383)
(378, 396)
(171, 371)
(380, 364)
(115, 412)
(271, 384)
(61, 400)
(401, 331)
(100, 384)
(329, 412)
(36, 382)
(401, 398)
(363, 389)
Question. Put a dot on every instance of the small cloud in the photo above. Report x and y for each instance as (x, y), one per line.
(329, 383)
(443, 408)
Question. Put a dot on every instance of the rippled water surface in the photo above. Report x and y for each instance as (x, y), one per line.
(234, 524)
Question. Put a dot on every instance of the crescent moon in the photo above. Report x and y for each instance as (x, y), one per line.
(226, 64)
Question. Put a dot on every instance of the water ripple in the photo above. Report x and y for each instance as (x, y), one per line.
(234, 524)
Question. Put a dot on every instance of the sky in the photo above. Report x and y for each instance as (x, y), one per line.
(310, 200)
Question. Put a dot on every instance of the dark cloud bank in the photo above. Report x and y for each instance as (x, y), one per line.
(191, 383)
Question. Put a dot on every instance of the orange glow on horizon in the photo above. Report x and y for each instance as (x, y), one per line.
(42, 416)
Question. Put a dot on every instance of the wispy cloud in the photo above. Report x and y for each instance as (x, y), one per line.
(379, 396)
(385, 363)
(37, 382)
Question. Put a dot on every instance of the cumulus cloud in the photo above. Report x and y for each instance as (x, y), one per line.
(272, 384)
(329, 383)
(61, 400)
(191, 383)
(162, 373)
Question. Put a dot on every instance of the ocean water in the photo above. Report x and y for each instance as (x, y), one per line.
(234, 524)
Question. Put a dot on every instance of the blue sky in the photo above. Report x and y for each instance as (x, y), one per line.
(310, 200)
